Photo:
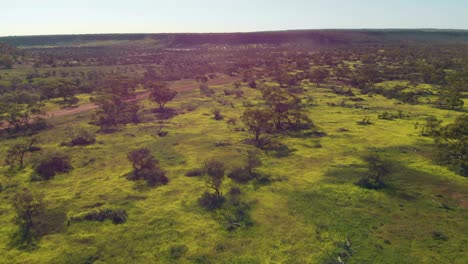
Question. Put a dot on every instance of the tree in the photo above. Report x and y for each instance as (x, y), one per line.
(286, 108)
(253, 161)
(378, 169)
(15, 155)
(142, 159)
(145, 167)
(161, 94)
(451, 95)
(318, 75)
(27, 206)
(450, 98)
(258, 122)
(115, 111)
(214, 170)
(452, 143)
(67, 90)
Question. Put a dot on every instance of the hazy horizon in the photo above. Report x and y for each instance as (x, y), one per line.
(233, 32)
(53, 17)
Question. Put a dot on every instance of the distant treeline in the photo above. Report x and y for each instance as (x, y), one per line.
(318, 37)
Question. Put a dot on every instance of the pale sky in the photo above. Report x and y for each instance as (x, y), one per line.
(35, 17)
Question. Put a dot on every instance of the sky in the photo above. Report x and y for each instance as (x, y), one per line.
(39, 17)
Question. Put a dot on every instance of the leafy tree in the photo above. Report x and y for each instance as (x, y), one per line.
(451, 95)
(318, 75)
(431, 126)
(118, 85)
(15, 155)
(452, 142)
(253, 161)
(67, 90)
(258, 122)
(450, 98)
(115, 111)
(145, 167)
(141, 159)
(214, 170)
(378, 169)
(286, 108)
(27, 206)
(161, 94)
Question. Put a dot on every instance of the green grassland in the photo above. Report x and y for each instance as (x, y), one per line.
(310, 204)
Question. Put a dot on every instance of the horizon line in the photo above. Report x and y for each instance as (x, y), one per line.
(234, 32)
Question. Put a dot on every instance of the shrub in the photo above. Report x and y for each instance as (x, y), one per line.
(194, 173)
(210, 201)
(217, 115)
(50, 166)
(117, 216)
(205, 90)
(83, 138)
(178, 251)
(154, 177)
(240, 175)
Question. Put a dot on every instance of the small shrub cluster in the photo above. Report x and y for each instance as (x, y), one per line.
(389, 116)
(210, 201)
(205, 90)
(80, 137)
(194, 173)
(217, 115)
(239, 175)
(117, 216)
(178, 251)
(50, 166)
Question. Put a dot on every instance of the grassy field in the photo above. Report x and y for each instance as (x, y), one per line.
(310, 205)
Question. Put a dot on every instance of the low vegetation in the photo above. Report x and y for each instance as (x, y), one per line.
(182, 150)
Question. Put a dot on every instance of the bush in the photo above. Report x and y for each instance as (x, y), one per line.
(50, 166)
(154, 176)
(217, 115)
(239, 175)
(84, 138)
(178, 251)
(210, 201)
(194, 173)
(117, 216)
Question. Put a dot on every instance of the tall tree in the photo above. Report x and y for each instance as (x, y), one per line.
(258, 121)
(161, 94)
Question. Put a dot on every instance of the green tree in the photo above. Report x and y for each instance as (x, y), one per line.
(452, 142)
(16, 153)
(27, 206)
(214, 170)
(161, 94)
(258, 121)
(378, 169)
(318, 75)
(253, 161)
(146, 167)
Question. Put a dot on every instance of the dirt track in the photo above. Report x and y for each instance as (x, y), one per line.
(91, 106)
